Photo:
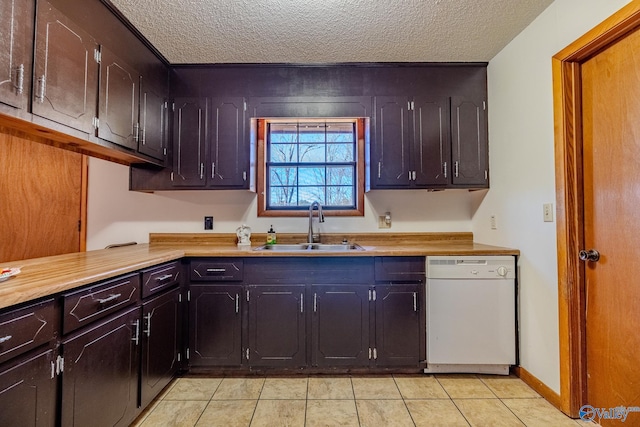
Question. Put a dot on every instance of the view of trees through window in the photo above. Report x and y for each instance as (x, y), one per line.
(311, 161)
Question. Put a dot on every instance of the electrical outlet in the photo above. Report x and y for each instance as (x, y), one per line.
(493, 222)
(383, 222)
(547, 212)
(208, 223)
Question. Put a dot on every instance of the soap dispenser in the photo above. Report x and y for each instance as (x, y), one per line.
(271, 236)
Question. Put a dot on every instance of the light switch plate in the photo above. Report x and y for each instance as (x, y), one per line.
(548, 212)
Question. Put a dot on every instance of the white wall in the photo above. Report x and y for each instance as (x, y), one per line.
(521, 151)
(118, 215)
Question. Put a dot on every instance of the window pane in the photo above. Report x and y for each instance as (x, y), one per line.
(309, 195)
(340, 175)
(283, 153)
(312, 153)
(280, 176)
(311, 176)
(340, 132)
(283, 196)
(340, 196)
(340, 153)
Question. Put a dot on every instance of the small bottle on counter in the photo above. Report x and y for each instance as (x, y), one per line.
(271, 236)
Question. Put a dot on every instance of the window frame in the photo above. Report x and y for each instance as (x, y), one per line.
(261, 165)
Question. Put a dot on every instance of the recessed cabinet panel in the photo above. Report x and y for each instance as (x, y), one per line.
(390, 164)
(228, 149)
(432, 147)
(26, 328)
(65, 71)
(16, 43)
(397, 325)
(153, 123)
(189, 141)
(119, 91)
(469, 142)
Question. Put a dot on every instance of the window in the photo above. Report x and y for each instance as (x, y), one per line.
(311, 160)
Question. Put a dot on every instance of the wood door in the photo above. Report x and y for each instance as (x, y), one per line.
(153, 122)
(161, 328)
(28, 390)
(215, 325)
(277, 327)
(431, 142)
(391, 157)
(340, 325)
(16, 44)
(228, 151)
(119, 93)
(65, 70)
(397, 325)
(42, 194)
(469, 148)
(611, 125)
(189, 141)
(100, 379)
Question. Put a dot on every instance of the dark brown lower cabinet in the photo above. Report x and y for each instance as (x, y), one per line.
(100, 379)
(340, 325)
(397, 325)
(277, 326)
(160, 343)
(28, 390)
(215, 325)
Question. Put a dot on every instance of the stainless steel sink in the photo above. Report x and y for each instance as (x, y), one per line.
(310, 247)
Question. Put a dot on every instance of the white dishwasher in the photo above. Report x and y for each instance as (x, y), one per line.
(470, 314)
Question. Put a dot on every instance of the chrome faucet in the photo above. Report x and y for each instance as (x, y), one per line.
(311, 237)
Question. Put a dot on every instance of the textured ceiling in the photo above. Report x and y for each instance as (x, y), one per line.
(329, 31)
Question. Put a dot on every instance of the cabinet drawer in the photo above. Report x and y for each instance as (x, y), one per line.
(26, 328)
(217, 270)
(400, 269)
(90, 304)
(160, 277)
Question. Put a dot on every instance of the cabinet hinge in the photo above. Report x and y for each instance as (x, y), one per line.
(484, 105)
(59, 365)
(166, 105)
(96, 122)
(244, 103)
(179, 357)
(171, 176)
(164, 151)
(97, 56)
(173, 106)
(53, 369)
(247, 296)
(187, 353)
(369, 353)
(247, 353)
(180, 298)
(244, 175)
(486, 174)
(189, 295)
(374, 294)
(375, 353)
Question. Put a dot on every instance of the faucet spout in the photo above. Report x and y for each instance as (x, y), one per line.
(311, 236)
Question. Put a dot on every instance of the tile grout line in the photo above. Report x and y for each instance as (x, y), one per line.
(452, 401)
(403, 400)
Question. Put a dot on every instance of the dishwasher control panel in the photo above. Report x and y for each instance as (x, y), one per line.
(471, 267)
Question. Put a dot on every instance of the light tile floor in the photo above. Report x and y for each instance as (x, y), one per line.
(398, 400)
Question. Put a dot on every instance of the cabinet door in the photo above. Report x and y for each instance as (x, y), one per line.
(390, 159)
(119, 93)
(431, 142)
(28, 390)
(340, 325)
(16, 43)
(65, 71)
(100, 379)
(215, 325)
(153, 122)
(397, 325)
(160, 343)
(189, 141)
(277, 328)
(228, 148)
(469, 142)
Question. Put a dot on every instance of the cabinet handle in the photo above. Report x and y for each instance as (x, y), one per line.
(413, 175)
(379, 169)
(409, 175)
(143, 136)
(455, 169)
(5, 339)
(136, 336)
(444, 168)
(42, 83)
(216, 270)
(213, 169)
(148, 319)
(375, 353)
(163, 278)
(201, 170)
(415, 302)
(301, 303)
(315, 302)
(237, 303)
(109, 299)
(19, 83)
(53, 370)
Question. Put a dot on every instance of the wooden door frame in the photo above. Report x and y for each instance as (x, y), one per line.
(568, 169)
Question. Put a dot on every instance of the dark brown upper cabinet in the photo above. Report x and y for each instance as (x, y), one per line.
(189, 142)
(118, 108)
(469, 142)
(153, 121)
(65, 86)
(16, 44)
(228, 149)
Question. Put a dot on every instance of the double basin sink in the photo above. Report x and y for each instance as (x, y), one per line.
(311, 247)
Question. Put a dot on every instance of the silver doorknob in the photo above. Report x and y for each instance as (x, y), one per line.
(589, 255)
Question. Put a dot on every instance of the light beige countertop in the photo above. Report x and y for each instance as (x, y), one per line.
(46, 276)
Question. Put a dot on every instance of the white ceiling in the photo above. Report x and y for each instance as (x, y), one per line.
(329, 31)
